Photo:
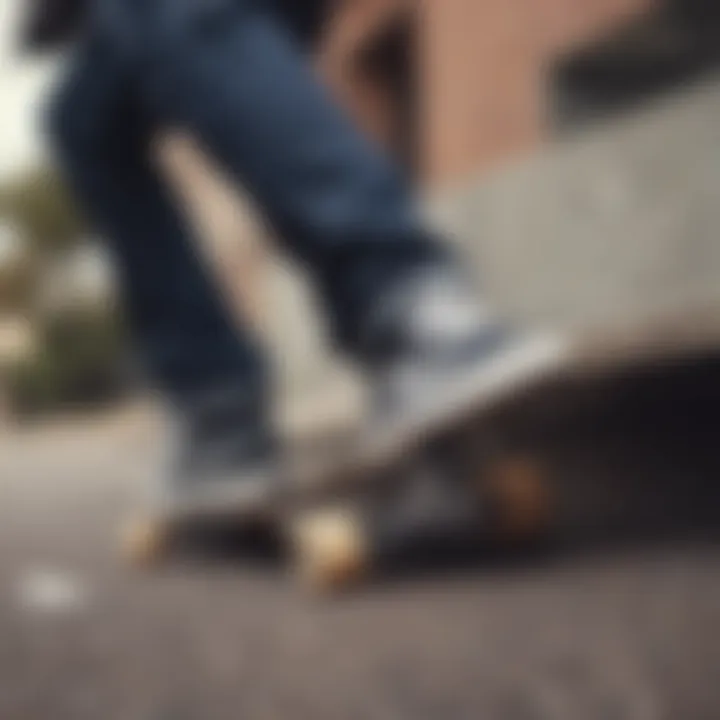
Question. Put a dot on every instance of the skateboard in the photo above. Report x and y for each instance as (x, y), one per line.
(487, 465)
(559, 453)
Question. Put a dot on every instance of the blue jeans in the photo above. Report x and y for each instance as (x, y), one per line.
(233, 73)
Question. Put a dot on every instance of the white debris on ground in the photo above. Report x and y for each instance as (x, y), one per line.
(48, 591)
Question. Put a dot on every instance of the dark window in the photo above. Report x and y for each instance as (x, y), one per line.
(668, 49)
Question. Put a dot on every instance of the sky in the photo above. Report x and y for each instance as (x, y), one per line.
(22, 85)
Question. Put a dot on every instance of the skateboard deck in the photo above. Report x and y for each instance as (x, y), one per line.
(337, 507)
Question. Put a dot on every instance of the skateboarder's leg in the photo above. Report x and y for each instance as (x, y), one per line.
(209, 371)
(232, 73)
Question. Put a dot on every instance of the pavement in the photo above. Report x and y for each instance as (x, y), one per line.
(632, 633)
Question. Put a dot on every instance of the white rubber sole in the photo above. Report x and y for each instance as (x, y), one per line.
(522, 365)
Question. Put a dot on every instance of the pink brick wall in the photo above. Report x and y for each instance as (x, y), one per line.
(484, 70)
(564, 24)
(481, 67)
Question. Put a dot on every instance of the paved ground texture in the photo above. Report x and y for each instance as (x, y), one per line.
(630, 633)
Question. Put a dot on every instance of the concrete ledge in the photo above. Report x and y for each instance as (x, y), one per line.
(623, 222)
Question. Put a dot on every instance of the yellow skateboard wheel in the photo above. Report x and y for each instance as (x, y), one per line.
(144, 541)
(331, 548)
(519, 492)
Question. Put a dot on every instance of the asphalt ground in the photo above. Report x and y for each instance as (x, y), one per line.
(627, 630)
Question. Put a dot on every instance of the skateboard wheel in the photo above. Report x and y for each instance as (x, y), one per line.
(144, 542)
(519, 493)
(331, 549)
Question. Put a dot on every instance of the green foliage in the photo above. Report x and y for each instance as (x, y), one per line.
(17, 286)
(41, 206)
(78, 363)
(80, 348)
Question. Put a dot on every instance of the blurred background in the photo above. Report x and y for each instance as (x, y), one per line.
(572, 149)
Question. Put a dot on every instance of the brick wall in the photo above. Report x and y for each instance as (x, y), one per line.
(480, 69)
